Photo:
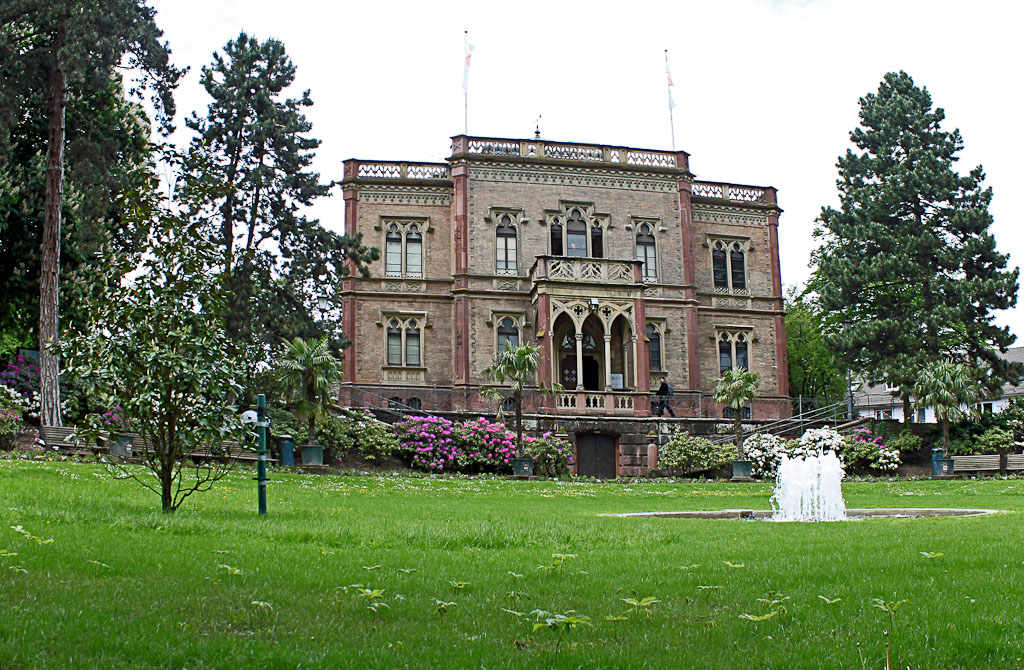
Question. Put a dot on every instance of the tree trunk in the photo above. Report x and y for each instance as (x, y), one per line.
(945, 438)
(166, 481)
(907, 409)
(739, 435)
(49, 272)
(518, 397)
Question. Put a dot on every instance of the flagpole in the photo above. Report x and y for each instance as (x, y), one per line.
(671, 102)
(465, 84)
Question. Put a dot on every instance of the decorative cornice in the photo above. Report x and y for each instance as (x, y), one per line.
(405, 195)
(563, 176)
(728, 215)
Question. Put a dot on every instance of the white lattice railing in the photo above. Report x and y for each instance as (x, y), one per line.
(725, 290)
(623, 401)
(400, 170)
(565, 401)
(753, 194)
(594, 400)
(590, 153)
(590, 270)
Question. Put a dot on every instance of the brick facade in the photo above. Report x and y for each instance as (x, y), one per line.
(587, 309)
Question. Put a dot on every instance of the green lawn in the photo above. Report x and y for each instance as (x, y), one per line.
(123, 586)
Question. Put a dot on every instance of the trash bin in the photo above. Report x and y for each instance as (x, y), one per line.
(936, 457)
(286, 445)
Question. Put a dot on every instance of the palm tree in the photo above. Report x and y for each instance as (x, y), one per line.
(307, 370)
(734, 388)
(514, 366)
(948, 387)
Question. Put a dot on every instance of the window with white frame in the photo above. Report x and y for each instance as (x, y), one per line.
(403, 248)
(506, 246)
(508, 333)
(577, 231)
(729, 265)
(647, 251)
(403, 341)
(733, 350)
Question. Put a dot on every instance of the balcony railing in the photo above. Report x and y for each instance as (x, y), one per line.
(402, 170)
(733, 193)
(597, 270)
(569, 151)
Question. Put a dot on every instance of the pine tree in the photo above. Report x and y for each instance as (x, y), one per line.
(908, 272)
(258, 140)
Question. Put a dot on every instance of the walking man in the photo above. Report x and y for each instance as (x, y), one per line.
(664, 393)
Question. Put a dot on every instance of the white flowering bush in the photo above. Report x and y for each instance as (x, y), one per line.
(818, 441)
(764, 451)
(685, 453)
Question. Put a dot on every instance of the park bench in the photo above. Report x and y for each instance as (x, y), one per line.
(1015, 462)
(976, 464)
(66, 439)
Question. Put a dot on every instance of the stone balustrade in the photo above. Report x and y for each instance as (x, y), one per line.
(567, 151)
(598, 270)
(401, 170)
(733, 193)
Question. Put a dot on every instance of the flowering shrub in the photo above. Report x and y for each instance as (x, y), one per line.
(357, 431)
(431, 442)
(685, 453)
(485, 445)
(866, 450)
(818, 441)
(551, 454)
(765, 452)
(10, 420)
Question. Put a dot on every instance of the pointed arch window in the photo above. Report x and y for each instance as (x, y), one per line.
(576, 235)
(508, 333)
(729, 265)
(403, 342)
(506, 242)
(654, 347)
(646, 252)
(403, 249)
(733, 350)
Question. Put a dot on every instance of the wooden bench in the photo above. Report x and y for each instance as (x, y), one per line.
(1014, 462)
(65, 438)
(232, 451)
(983, 463)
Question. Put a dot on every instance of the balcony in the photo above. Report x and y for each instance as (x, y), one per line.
(586, 270)
(359, 170)
(593, 154)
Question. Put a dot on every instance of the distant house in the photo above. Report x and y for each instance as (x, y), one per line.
(882, 402)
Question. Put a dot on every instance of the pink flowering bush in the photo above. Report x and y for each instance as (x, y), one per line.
(10, 423)
(551, 454)
(866, 450)
(485, 446)
(430, 442)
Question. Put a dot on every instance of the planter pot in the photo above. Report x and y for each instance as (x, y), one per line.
(522, 467)
(312, 454)
(741, 471)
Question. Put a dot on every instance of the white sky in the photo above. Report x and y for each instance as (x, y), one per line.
(766, 90)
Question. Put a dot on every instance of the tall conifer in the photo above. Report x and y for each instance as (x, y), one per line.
(908, 272)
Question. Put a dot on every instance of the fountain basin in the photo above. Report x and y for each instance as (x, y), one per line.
(852, 514)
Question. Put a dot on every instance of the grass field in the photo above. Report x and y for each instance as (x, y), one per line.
(447, 564)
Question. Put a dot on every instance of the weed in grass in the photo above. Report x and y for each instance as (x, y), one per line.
(442, 606)
(729, 564)
(890, 609)
(642, 605)
(931, 554)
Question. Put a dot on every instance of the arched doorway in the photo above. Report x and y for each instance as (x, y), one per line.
(579, 367)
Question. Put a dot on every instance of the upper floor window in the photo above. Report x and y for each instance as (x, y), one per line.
(733, 351)
(403, 340)
(403, 249)
(577, 232)
(508, 333)
(654, 347)
(506, 246)
(646, 251)
(729, 265)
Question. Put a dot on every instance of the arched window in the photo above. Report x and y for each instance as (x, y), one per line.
(403, 249)
(394, 344)
(654, 347)
(508, 334)
(506, 251)
(393, 252)
(576, 235)
(403, 342)
(557, 247)
(729, 267)
(412, 345)
(733, 350)
(596, 240)
(414, 403)
(645, 252)
(413, 253)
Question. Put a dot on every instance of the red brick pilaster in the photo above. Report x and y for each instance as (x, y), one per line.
(643, 359)
(460, 177)
(781, 358)
(348, 302)
(689, 278)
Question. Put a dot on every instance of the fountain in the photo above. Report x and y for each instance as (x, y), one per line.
(808, 488)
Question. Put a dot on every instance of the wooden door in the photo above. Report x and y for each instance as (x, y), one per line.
(595, 456)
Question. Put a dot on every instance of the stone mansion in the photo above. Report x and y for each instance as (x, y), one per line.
(620, 265)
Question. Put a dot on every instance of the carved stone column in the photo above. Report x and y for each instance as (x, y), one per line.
(607, 362)
(579, 360)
